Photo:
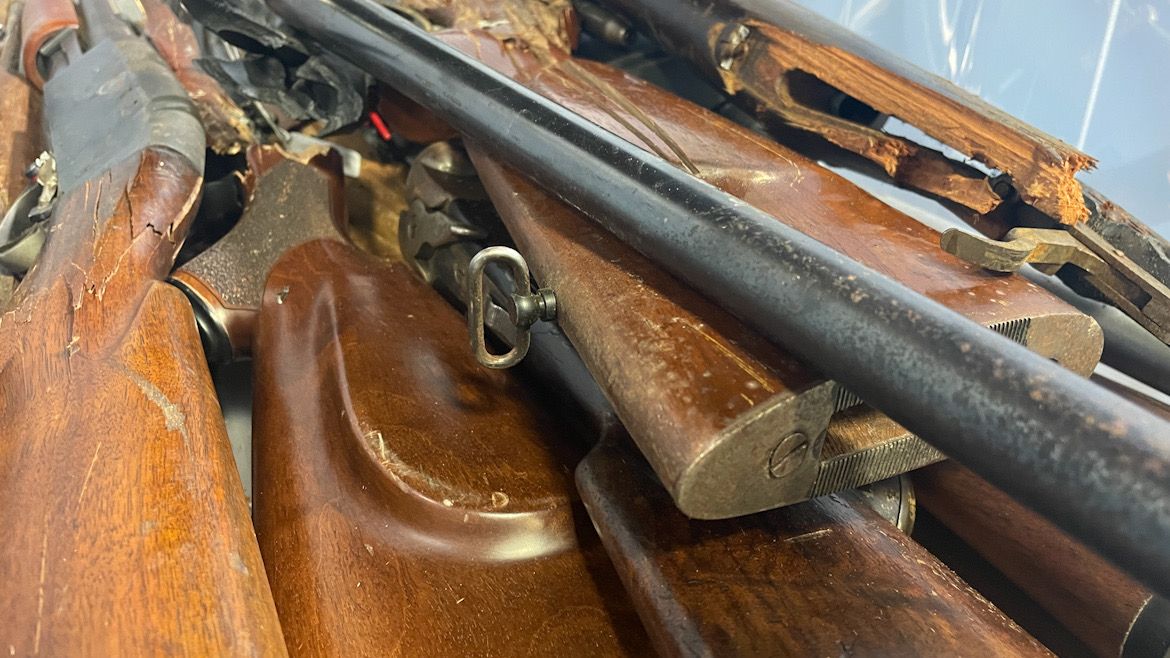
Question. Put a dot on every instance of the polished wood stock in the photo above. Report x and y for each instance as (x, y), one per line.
(827, 577)
(408, 500)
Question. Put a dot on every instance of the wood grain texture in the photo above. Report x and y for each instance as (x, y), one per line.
(792, 61)
(828, 577)
(408, 501)
(126, 528)
(1094, 600)
(641, 332)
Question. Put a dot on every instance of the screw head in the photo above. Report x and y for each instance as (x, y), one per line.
(788, 455)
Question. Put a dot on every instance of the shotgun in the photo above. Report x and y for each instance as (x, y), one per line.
(127, 531)
(793, 67)
(396, 484)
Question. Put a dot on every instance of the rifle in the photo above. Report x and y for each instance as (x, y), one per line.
(662, 352)
(750, 586)
(127, 531)
(1103, 607)
(996, 407)
(403, 497)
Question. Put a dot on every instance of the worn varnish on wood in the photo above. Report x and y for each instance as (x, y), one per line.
(126, 530)
(407, 500)
(827, 577)
(784, 59)
(639, 330)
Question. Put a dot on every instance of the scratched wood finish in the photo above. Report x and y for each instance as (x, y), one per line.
(828, 577)
(636, 327)
(792, 61)
(20, 107)
(126, 528)
(408, 501)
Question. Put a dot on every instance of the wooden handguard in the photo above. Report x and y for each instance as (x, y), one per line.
(828, 577)
(731, 425)
(407, 500)
(126, 530)
(41, 20)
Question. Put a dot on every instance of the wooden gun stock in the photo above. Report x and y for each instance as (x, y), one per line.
(405, 500)
(1102, 606)
(825, 577)
(628, 319)
(127, 531)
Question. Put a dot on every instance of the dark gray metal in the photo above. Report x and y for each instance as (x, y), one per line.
(1094, 463)
(115, 101)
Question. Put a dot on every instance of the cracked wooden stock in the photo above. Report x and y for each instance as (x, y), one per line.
(126, 528)
(781, 58)
(711, 430)
(823, 578)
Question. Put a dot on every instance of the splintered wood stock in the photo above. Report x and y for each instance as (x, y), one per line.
(406, 500)
(826, 577)
(747, 413)
(785, 59)
(126, 530)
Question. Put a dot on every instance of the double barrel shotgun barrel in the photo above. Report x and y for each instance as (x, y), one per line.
(738, 377)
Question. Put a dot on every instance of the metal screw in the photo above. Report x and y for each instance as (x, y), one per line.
(788, 455)
(282, 295)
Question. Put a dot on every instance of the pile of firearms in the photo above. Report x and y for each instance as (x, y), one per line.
(737, 372)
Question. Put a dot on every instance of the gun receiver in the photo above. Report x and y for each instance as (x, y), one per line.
(127, 532)
(406, 487)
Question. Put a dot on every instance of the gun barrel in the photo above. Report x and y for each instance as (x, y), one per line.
(1006, 413)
